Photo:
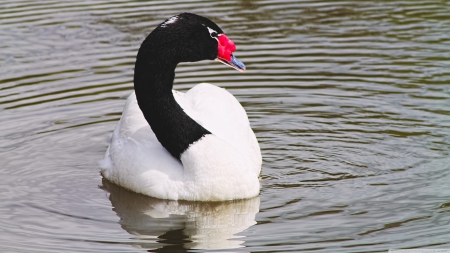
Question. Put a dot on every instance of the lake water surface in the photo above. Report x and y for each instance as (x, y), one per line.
(350, 101)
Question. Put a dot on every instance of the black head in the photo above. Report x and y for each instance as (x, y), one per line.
(188, 37)
(185, 38)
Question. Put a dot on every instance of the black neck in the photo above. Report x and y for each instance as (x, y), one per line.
(153, 80)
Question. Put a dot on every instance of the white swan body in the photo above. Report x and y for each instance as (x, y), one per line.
(223, 165)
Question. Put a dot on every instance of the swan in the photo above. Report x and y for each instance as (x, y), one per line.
(196, 145)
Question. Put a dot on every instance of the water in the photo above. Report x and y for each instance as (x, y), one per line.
(349, 100)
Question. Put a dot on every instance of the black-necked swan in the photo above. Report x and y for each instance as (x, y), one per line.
(196, 145)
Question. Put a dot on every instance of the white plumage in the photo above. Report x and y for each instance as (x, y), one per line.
(223, 165)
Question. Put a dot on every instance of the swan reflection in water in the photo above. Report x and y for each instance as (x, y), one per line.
(170, 225)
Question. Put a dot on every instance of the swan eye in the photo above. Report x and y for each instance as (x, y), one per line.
(212, 33)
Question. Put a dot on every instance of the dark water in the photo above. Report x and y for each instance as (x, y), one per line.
(350, 101)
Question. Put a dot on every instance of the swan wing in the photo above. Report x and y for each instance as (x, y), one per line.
(219, 112)
(136, 160)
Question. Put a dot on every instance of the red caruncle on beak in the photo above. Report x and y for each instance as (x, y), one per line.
(225, 47)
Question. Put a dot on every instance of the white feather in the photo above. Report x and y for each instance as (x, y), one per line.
(171, 20)
(222, 166)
